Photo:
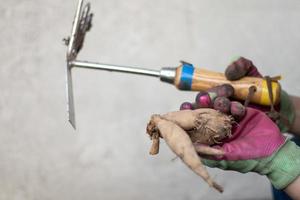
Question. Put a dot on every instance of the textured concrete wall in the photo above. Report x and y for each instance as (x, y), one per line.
(42, 157)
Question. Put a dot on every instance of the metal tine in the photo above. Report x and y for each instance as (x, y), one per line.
(89, 21)
(86, 18)
(74, 46)
(84, 26)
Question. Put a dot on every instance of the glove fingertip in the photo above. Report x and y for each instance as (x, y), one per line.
(222, 104)
(186, 106)
(237, 110)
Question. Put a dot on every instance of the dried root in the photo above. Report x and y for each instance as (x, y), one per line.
(187, 132)
(211, 127)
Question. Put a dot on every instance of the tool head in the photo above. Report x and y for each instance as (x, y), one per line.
(81, 24)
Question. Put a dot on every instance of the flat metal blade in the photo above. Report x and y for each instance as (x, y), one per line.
(70, 98)
(71, 55)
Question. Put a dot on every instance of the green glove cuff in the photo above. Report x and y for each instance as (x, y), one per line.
(282, 167)
(287, 110)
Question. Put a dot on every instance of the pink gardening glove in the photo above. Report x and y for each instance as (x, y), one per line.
(244, 67)
(240, 68)
(284, 114)
(254, 135)
(256, 144)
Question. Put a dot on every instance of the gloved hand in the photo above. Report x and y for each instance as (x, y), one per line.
(254, 135)
(256, 144)
(243, 67)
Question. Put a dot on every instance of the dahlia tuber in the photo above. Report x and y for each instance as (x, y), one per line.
(188, 132)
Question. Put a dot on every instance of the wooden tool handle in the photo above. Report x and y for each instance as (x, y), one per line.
(190, 78)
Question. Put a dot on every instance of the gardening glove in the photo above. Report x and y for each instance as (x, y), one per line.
(243, 67)
(254, 134)
(256, 145)
(281, 167)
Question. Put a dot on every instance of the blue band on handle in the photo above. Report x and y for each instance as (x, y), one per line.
(186, 78)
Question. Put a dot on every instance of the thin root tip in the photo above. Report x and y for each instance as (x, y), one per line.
(218, 187)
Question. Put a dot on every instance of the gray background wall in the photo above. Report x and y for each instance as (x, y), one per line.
(42, 157)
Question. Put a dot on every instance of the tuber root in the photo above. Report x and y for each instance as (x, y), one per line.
(155, 144)
(187, 132)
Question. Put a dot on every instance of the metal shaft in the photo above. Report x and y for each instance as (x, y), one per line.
(116, 68)
(166, 74)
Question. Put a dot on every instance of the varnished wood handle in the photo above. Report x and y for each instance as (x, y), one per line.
(190, 78)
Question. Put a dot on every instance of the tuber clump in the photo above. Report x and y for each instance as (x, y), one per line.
(189, 133)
